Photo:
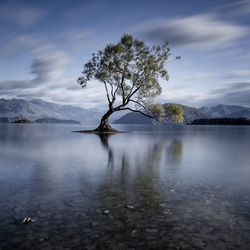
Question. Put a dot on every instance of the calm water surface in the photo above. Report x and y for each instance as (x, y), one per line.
(152, 188)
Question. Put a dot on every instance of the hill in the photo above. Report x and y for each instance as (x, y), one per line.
(133, 118)
(36, 109)
(191, 114)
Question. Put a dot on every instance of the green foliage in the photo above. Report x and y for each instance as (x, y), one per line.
(129, 69)
(157, 110)
(175, 112)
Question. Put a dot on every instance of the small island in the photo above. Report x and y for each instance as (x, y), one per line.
(56, 121)
(23, 121)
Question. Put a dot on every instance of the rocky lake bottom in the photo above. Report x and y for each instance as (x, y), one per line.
(185, 187)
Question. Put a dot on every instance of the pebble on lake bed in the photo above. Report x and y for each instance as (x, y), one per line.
(129, 206)
(27, 220)
(105, 211)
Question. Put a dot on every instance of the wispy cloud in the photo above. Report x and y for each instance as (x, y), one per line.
(24, 44)
(13, 85)
(49, 67)
(235, 8)
(234, 93)
(242, 73)
(93, 97)
(199, 31)
(20, 14)
(201, 76)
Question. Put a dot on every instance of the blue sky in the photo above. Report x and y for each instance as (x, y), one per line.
(44, 45)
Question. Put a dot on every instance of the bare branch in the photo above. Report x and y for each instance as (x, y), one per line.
(122, 81)
(112, 89)
(137, 102)
(133, 85)
(107, 93)
(132, 93)
(139, 111)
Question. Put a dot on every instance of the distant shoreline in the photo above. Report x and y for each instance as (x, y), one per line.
(221, 121)
(38, 121)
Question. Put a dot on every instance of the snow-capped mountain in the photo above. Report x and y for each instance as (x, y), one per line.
(226, 111)
(37, 109)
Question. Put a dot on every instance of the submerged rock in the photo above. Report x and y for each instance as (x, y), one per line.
(27, 220)
(129, 206)
(105, 211)
(152, 230)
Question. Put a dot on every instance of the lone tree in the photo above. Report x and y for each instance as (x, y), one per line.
(129, 71)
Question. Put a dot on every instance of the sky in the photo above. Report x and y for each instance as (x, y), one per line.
(44, 45)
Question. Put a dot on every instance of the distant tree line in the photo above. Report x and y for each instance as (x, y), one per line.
(222, 121)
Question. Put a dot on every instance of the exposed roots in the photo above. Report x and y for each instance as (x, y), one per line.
(100, 130)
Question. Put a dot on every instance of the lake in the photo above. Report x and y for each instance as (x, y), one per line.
(162, 187)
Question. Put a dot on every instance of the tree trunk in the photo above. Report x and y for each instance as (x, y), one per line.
(104, 126)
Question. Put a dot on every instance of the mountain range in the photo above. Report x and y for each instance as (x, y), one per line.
(47, 112)
(38, 109)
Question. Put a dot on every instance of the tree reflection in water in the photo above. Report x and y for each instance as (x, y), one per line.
(174, 153)
(131, 189)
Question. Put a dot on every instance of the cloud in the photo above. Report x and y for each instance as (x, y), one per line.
(204, 30)
(201, 76)
(80, 40)
(243, 73)
(236, 8)
(49, 67)
(17, 13)
(14, 85)
(232, 94)
(24, 44)
(64, 92)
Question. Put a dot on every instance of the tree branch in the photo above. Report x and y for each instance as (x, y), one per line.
(122, 82)
(123, 94)
(137, 102)
(107, 93)
(112, 88)
(132, 93)
(133, 85)
(139, 111)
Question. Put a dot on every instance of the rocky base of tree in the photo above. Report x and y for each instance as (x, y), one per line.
(101, 130)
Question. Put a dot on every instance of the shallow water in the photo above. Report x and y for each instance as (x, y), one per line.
(152, 188)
